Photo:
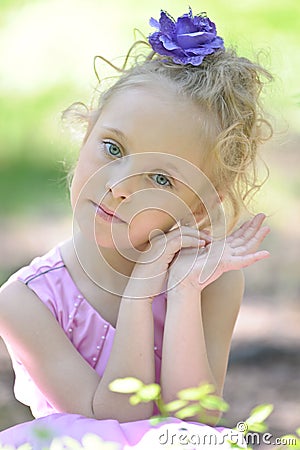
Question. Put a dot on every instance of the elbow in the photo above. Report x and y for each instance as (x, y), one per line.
(206, 417)
(212, 418)
(122, 411)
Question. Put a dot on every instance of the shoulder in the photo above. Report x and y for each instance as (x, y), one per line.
(19, 305)
(22, 317)
(45, 279)
(27, 326)
(12, 293)
(37, 342)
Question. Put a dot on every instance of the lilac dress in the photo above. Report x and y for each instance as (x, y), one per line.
(93, 337)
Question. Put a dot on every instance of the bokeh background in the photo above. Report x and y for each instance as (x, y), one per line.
(46, 63)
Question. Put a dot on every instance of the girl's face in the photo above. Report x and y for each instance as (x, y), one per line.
(139, 162)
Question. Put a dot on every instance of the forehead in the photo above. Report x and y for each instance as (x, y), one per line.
(153, 118)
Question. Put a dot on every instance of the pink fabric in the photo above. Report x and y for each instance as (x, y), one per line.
(138, 435)
(93, 338)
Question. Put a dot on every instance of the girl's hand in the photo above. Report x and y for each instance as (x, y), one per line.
(149, 276)
(238, 250)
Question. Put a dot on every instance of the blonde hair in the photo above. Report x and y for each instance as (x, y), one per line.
(227, 88)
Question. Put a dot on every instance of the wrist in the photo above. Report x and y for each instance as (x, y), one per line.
(184, 286)
(183, 291)
(131, 298)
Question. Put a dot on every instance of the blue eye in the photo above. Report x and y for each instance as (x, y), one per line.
(112, 149)
(161, 180)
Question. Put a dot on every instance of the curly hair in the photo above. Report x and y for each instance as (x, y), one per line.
(227, 89)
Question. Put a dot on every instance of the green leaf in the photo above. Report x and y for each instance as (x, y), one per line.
(176, 404)
(288, 437)
(214, 402)
(259, 414)
(92, 441)
(298, 431)
(156, 420)
(235, 445)
(290, 441)
(65, 442)
(188, 411)
(149, 392)
(127, 385)
(134, 400)
(196, 393)
(257, 427)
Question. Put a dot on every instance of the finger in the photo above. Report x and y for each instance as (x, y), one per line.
(240, 262)
(240, 230)
(158, 235)
(246, 233)
(175, 244)
(247, 260)
(203, 234)
(164, 252)
(253, 244)
(256, 220)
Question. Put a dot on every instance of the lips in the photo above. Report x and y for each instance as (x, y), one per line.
(107, 214)
(108, 211)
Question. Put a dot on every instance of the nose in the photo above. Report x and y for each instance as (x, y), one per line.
(121, 186)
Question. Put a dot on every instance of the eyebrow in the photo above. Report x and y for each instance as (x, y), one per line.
(172, 167)
(121, 135)
(117, 132)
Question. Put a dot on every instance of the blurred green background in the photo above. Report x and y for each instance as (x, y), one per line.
(47, 49)
(46, 63)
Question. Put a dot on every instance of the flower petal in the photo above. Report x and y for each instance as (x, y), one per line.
(168, 43)
(159, 44)
(202, 51)
(185, 25)
(167, 25)
(194, 60)
(192, 40)
(154, 23)
(204, 24)
(187, 40)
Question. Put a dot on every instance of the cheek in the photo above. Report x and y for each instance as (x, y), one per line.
(87, 182)
(76, 187)
(73, 190)
(146, 222)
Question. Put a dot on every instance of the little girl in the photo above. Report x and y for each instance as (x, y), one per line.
(150, 284)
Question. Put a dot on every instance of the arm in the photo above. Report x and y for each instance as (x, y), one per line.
(201, 314)
(132, 355)
(60, 372)
(198, 331)
(56, 367)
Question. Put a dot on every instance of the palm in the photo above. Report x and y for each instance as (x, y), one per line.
(238, 250)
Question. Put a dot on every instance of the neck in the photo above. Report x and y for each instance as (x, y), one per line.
(105, 267)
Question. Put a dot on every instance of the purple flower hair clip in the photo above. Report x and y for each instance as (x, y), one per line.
(187, 40)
